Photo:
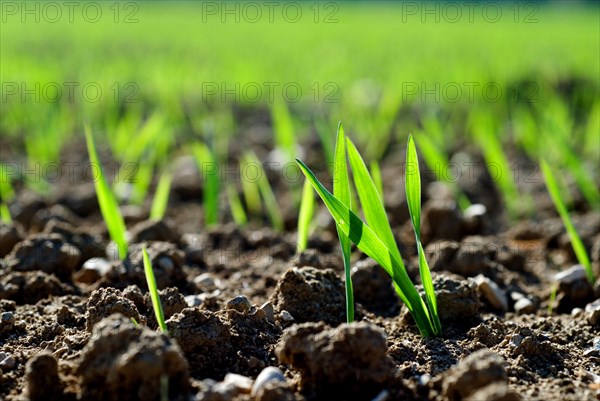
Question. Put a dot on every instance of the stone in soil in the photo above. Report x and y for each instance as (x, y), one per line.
(311, 295)
(347, 361)
(524, 305)
(125, 363)
(592, 311)
(268, 375)
(574, 289)
(92, 270)
(491, 293)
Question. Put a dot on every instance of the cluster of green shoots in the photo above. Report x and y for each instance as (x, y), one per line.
(374, 237)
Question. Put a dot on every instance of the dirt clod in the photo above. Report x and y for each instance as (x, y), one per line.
(125, 363)
(337, 362)
(457, 298)
(311, 295)
(10, 235)
(104, 302)
(474, 373)
(43, 383)
(49, 253)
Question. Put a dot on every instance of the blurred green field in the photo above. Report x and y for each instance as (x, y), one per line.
(383, 68)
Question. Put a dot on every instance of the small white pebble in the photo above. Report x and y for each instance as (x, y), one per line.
(241, 382)
(571, 275)
(268, 375)
(383, 395)
(286, 316)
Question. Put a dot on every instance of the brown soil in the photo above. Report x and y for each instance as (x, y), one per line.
(241, 300)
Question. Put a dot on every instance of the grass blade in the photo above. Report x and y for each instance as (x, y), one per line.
(108, 204)
(209, 171)
(161, 197)
(576, 243)
(341, 190)
(307, 207)
(7, 192)
(235, 205)
(370, 200)
(267, 193)
(249, 188)
(368, 242)
(285, 136)
(413, 198)
(5, 213)
(413, 186)
(156, 305)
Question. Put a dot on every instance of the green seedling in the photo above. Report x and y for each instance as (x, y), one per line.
(484, 129)
(413, 198)
(207, 164)
(552, 299)
(341, 190)
(576, 242)
(235, 205)
(283, 126)
(106, 199)
(249, 187)
(161, 197)
(156, 305)
(375, 237)
(5, 213)
(7, 193)
(307, 207)
(266, 192)
(557, 129)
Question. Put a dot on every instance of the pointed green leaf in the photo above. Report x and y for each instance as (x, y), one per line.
(106, 200)
(576, 242)
(341, 189)
(370, 200)
(413, 198)
(161, 197)
(413, 186)
(305, 215)
(368, 242)
(209, 170)
(154, 296)
(235, 204)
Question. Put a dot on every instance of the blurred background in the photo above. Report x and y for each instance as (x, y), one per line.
(506, 82)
